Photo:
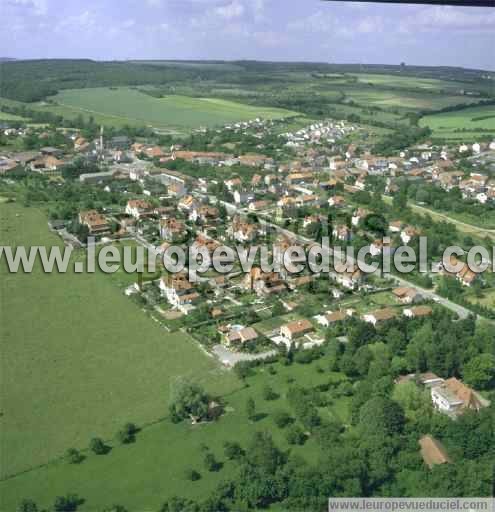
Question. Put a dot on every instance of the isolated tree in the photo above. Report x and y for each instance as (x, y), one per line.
(67, 503)
(190, 400)
(192, 474)
(74, 456)
(210, 462)
(127, 434)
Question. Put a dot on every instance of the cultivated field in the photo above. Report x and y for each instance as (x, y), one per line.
(79, 359)
(175, 112)
(462, 124)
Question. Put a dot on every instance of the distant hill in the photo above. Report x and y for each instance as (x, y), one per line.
(34, 80)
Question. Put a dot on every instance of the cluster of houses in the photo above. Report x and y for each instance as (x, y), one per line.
(327, 132)
(451, 397)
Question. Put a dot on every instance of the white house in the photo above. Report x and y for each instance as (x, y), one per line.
(453, 397)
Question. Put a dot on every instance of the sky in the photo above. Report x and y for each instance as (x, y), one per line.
(282, 30)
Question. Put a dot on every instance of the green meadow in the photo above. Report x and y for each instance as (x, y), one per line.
(175, 112)
(462, 124)
(405, 100)
(142, 475)
(79, 359)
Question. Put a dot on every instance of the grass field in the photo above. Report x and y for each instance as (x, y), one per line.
(404, 100)
(409, 82)
(4, 116)
(142, 475)
(175, 112)
(468, 120)
(79, 359)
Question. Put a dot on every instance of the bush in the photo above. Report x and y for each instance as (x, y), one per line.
(67, 503)
(211, 464)
(127, 434)
(192, 474)
(268, 393)
(295, 435)
(74, 456)
(282, 419)
(97, 446)
(27, 506)
(233, 451)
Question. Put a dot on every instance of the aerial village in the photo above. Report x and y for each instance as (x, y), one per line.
(277, 193)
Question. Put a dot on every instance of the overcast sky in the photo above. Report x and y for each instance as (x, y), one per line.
(296, 30)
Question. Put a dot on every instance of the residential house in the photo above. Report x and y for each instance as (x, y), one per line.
(408, 233)
(332, 318)
(378, 246)
(188, 203)
(172, 230)
(429, 379)
(96, 223)
(257, 206)
(350, 279)
(178, 291)
(138, 208)
(407, 295)
(359, 215)
(337, 201)
(299, 178)
(204, 213)
(233, 184)
(296, 329)
(418, 312)
(264, 283)
(239, 335)
(465, 275)
(48, 166)
(254, 160)
(243, 231)
(242, 196)
(342, 233)
(395, 226)
(380, 315)
(453, 397)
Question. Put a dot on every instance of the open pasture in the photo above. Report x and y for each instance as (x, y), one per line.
(182, 113)
(406, 100)
(79, 359)
(462, 124)
(142, 475)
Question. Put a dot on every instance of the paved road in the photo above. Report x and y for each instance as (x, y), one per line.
(461, 311)
(229, 358)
